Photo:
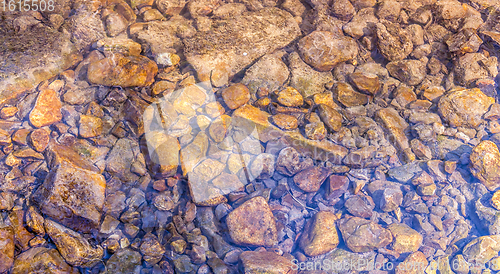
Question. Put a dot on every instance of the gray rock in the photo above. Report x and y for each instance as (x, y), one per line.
(270, 72)
(410, 72)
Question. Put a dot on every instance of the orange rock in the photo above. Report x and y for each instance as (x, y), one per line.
(47, 110)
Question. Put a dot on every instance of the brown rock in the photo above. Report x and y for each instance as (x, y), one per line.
(395, 125)
(252, 223)
(8, 112)
(269, 72)
(37, 258)
(495, 200)
(393, 41)
(6, 249)
(47, 110)
(39, 139)
(348, 97)
(405, 239)
(320, 234)
(306, 79)
(74, 248)
(265, 262)
(485, 163)
(331, 117)
(5, 138)
(290, 97)
(124, 71)
(361, 235)
(415, 263)
(464, 107)
(482, 249)
(366, 82)
(236, 95)
(311, 179)
(89, 126)
(323, 50)
(285, 121)
(360, 205)
(410, 72)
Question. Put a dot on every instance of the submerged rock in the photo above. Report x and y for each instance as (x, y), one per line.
(320, 235)
(265, 262)
(485, 163)
(464, 107)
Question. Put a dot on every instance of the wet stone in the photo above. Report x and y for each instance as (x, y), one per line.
(39, 139)
(320, 235)
(151, 249)
(288, 162)
(361, 235)
(74, 248)
(263, 166)
(38, 258)
(306, 79)
(331, 117)
(236, 95)
(265, 262)
(410, 72)
(311, 179)
(269, 71)
(360, 205)
(5, 138)
(6, 248)
(365, 81)
(290, 97)
(394, 43)
(285, 121)
(482, 249)
(124, 261)
(416, 262)
(252, 223)
(405, 239)
(348, 97)
(90, 126)
(47, 109)
(485, 161)
(464, 107)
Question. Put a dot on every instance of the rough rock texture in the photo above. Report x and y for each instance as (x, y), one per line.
(224, 47)
(265, 262)
(405, 239)
(41, 258)
(47, 109)
(320, 235)
(485, 163)
(482, 249)
(252, 223)
(464, 107)
(6, 248)
(270, 72)
(361, 235)
(305, 79)
(396, 127)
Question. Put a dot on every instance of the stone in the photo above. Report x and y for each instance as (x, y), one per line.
(485, 163)
(115, 24)
(464, 107)
(359, 205)
(119, 160)
(119, 45)
(152, 251)
(265, 262)
(391, 199)
(263, 166)
(405, 239)
(393, 42)
(236, 95)
(252, 223)
(360, 24)
(319, 235)
(396, 126)
(124, 71)
(47, 109)
(422, 151)
(495, 200)
(311, 179)
(5, 138)
(288, 161)
(361, 235)
(348, 97)
(39, 139)
(305, 79)
(37, 258)
(124, 261)
(415, 263)
(331, 117)
(315, 131)
(6, 248)
(450, 9)
(290, 97)
(474, 66)
(482, 249)
(30, 57)
(73, 196)
(86, 27)
(365, 81)
(224, 46)
(410, 72)
(323, 50)
(269, 72)
(90, 126)
(285, 121)
(74, 248)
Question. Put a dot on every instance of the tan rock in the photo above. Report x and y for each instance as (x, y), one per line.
(74, 248)
(290, 97)
(252, 223)
(38, 258)
(485, 163)
(119, 45)
(415, 263)
(6, 249)
(405, 239)
(464, 107)
(348, 97)
(320, 234)
(190, 98)
(8, 112)
(495, 200)
(47, 110)
(90, 126)
(5, 138)
(266, 262)
(193, 153)
(236, 95)
(361, 235)
(39, 139)
(366, 82)
(125, 71)
(285, 121)
(482, 249)
(331, 117)
(396, 126)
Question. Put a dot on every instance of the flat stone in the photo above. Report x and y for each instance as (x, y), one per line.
(331, 117)
(45, 258)
(265, 262)
(410, 72)
(393, 41)
(320, 235)
(361, 235)
(323, 50)
(285, 121)
(74, 248)
(252, 223)
(396, 126)
(225, 45)
(348, 97)
(290, 97)
(359, 205)
(482, 249)
(311, 179)
(405, 239)
(124, 71)
(269, 72)
(72, 195)
(415, 263)
(485, 163)
(119, 160)
(5, 138)
(30, 57)
(474, 66)
(464, 107)
(365, 82)
(39, 139)
(47, 109)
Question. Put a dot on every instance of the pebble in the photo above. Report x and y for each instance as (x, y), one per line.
(485, 161)
(360, 205)
(285, 121)
(330, 117)
(405, 239)
(361, 235)
(90, 126)
(236, 95)
(7, 248)
(320, 235)
(290, 97)
(311, 179)
(265, 262)
(348, 97)
(47, 109)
